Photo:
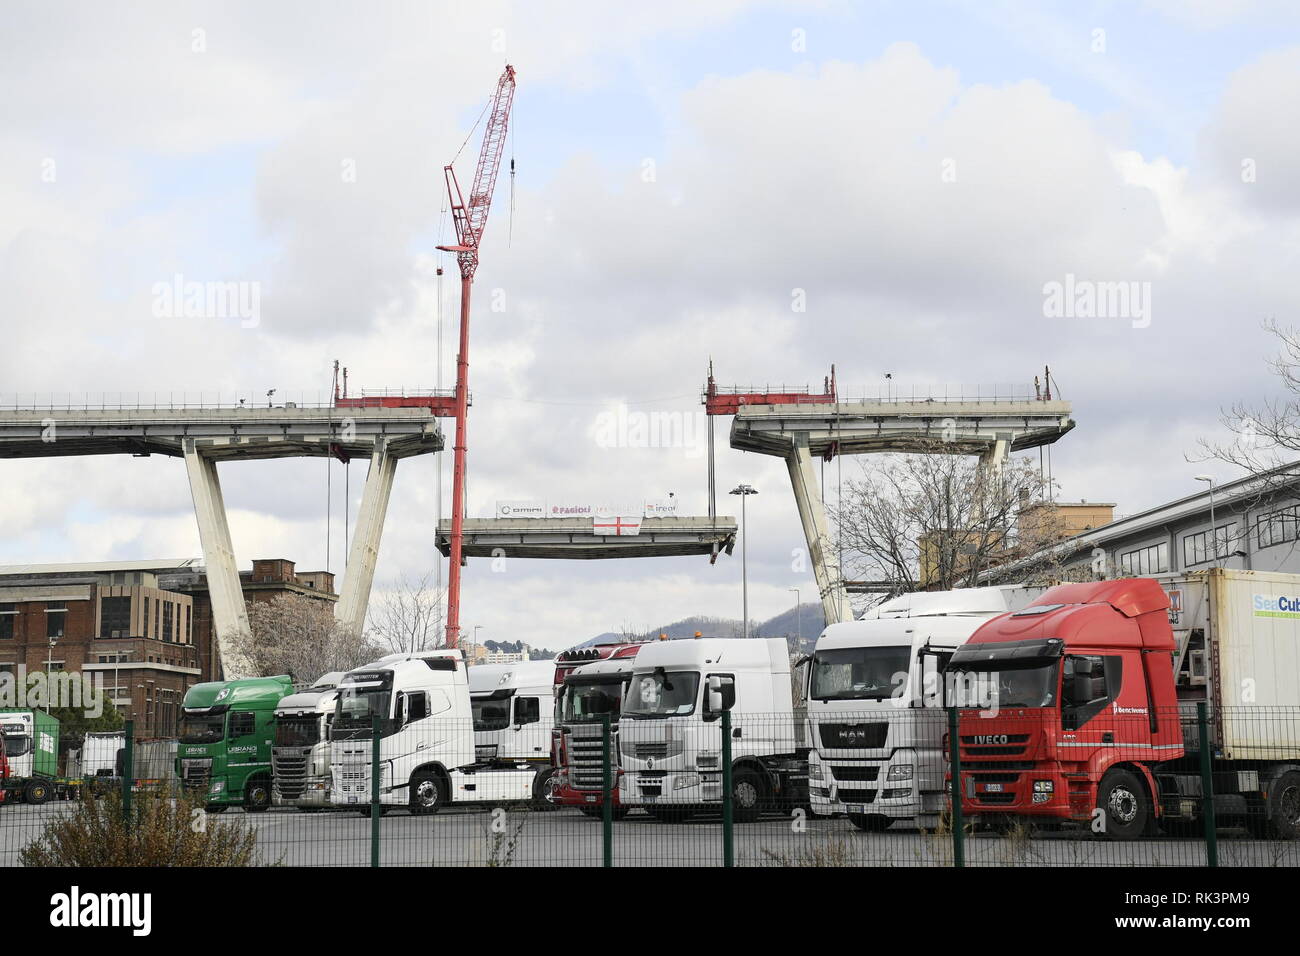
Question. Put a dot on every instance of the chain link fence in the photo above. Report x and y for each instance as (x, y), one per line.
(925, 787)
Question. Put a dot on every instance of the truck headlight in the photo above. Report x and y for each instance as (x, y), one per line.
(684, 780)
(1044, 786)
(217, 786)
(815, 772)
(901, 771)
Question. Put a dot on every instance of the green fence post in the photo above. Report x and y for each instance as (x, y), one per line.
(954, 764)
(607, 793)
(728, 824)
(374, 790)
(128, 771)
(1207, 788)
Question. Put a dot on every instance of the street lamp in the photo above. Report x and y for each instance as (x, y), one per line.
(798, 615)
(1214, 531)
(744, 491)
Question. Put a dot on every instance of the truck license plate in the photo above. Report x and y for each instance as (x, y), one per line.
(855, 808)
(352, 799)
(591, 798)
(992, 788)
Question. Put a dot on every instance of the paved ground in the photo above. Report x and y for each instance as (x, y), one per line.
(565, 837)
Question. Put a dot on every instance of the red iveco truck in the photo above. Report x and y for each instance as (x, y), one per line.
(1084, 704)
(589, 685)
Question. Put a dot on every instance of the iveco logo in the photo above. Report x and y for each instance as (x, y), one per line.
(991, 739)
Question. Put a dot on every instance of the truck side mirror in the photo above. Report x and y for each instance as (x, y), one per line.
(721, 694)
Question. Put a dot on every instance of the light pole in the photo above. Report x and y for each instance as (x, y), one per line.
(1214, 531)
(744, 491)
(798, 615)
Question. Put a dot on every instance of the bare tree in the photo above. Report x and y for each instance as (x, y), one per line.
(299, 636)
(409, 617)
(938, 520)
(1266, 436)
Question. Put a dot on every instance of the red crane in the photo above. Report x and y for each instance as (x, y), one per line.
(470, 218)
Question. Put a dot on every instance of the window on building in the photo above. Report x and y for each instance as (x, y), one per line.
(8, 615)
(1149, 560)
(157, 618)
(56, 619)
(1201, 547)
(189, 637)
(145, 619)
(115, 617)
(1278, 527)
(168, 608)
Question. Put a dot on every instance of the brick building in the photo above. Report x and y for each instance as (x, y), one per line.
(146, 626)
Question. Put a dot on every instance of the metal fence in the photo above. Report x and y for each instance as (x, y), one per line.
(919, 788)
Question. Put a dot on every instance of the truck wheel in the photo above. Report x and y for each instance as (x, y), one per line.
(670, 814)
(543, 787)
(427, 794)
(870, 822)
(257, 795)
(748, 795)
(1123, 799)
(1282, 811)
(36, 792)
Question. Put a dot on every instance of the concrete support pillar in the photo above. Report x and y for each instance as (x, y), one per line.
(812, 514)
(992, 459)
(229, 613)
(359, 575)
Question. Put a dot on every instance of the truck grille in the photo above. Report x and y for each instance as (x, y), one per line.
(855, 774)
(855, 796)
(289, 770)
(586, 758)
(195, 773)
(1015, 744)
(854, 736)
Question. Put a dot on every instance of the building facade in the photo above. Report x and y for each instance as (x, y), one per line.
(1250, 523)
(143, 628)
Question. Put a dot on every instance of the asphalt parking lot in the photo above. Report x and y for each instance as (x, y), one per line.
(479, 837)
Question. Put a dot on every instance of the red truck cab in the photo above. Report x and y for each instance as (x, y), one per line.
(1066, 705)
(589, 684)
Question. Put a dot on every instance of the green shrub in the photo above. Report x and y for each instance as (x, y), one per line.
(168, 828)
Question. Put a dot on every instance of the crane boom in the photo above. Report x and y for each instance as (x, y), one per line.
(470, 220)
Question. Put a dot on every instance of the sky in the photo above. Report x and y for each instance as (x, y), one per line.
(774, 186)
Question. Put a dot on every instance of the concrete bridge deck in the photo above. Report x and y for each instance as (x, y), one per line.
(851, 428)
(219, 433)
(571, 538)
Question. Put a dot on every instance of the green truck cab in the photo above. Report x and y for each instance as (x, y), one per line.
(226, 731)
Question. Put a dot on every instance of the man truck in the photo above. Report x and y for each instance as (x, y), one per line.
(670, 736)
(426, 738)
(224, 752)
(590, 693)
(875, 704)
(1091, 709)
(300, 750)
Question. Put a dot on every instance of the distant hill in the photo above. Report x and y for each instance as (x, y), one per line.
(788, 624)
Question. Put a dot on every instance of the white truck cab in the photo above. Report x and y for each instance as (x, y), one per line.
(514, 711)
(300, 750)
(876, 703)
(670, 728)
(426, 744)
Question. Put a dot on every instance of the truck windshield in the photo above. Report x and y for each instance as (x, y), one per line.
(491, 714)
(661, 694)
(296, 731)
(207, 729)
(357, 705)
(16, 746)
(592, 701)
(858, 673)
(1011, 686)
